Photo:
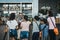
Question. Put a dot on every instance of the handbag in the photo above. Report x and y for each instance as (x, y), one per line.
(55, 28)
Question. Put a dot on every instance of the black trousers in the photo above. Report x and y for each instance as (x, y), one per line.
(35, 36)
(52, 35)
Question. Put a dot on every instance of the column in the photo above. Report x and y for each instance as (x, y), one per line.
(34, 8)
(21, 7)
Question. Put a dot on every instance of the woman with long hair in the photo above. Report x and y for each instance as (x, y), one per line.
(51, 21)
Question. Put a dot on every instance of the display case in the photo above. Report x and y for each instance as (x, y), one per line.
(25, 8)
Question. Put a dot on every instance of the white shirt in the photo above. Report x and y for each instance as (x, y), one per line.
(51, 26)
(35, 26)
(12, 24)
(25, 26)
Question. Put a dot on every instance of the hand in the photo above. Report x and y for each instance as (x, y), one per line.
(17, 28)
(40, 34)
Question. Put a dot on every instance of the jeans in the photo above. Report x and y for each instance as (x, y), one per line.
(24, 34)
(44, 36)
(13, 33)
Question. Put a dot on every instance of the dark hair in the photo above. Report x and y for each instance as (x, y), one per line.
(26, 17)
(50, 13)
(36, 18)
(41, 19)
(44, 20)
(12, 16)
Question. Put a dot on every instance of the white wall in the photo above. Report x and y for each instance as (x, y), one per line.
(34, 8)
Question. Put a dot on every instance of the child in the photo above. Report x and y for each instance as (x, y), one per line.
(44, 29)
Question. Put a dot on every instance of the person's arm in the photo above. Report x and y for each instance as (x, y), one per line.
(40, 31)
(31, 27)
(40, 27)
(6, 29)
(20, 27)
(54, 22)
(16, 27)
